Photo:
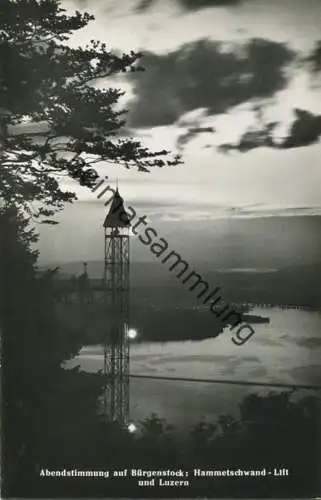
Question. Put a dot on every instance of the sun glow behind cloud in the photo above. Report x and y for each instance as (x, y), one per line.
(210, 185)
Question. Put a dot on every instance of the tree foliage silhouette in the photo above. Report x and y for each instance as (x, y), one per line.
(43, 405)
(54, 118)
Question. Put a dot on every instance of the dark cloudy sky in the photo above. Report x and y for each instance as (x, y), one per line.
(244, 74)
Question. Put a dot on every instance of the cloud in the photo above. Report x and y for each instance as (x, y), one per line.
(315, 57)
(304, 131)
(144, 5)
(192, 132)
(206, 74)
(202, 4)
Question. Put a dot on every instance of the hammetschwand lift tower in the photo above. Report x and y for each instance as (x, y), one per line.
(116, 303)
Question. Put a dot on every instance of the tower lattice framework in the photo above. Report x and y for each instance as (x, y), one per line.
(116, 303)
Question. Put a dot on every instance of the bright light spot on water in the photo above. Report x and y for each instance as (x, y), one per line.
(132, 427)
(132, 333)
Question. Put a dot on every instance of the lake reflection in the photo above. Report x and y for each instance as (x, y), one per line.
(286, 350)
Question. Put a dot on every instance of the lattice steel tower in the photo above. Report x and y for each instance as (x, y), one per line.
(116, 302)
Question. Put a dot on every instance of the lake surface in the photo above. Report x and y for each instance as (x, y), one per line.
(286, 350)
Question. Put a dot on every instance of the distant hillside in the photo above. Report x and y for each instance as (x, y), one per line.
(148, 271)
(308, 271)
(155, 283)
(141, 273)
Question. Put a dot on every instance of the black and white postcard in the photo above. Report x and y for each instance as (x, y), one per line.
(160, 248)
